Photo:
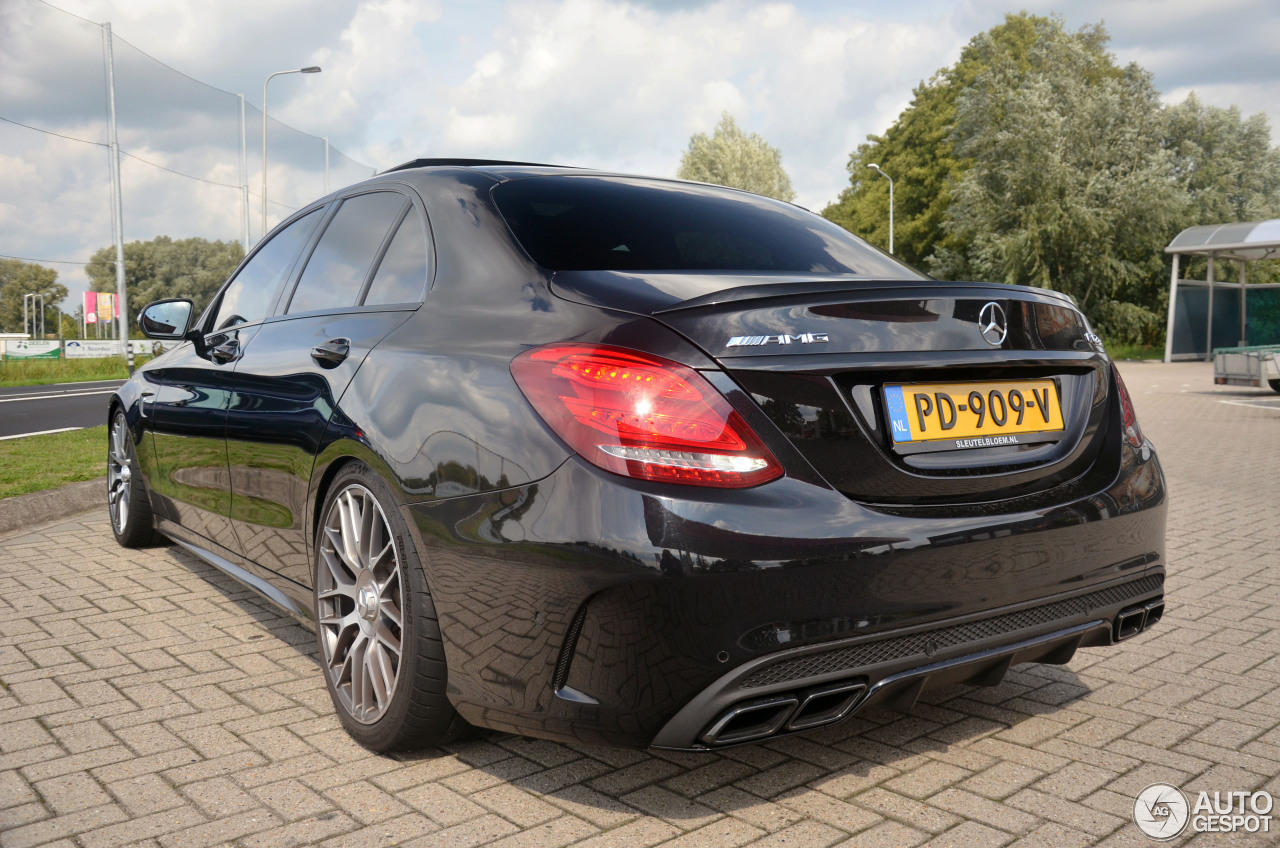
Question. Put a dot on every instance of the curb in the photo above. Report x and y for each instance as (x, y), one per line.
(22, 511)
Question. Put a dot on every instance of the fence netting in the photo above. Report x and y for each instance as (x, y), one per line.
(182, 171)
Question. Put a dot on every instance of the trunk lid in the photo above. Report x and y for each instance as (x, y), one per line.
(816, 354)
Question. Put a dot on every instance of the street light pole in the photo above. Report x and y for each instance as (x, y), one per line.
(314, 69)
(873, 166)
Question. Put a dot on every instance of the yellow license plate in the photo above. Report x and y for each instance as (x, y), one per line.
(972, 415)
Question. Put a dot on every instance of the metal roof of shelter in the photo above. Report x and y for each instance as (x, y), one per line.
(1246, 241)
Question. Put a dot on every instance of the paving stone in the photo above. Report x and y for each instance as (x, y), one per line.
(810, 834)
(138, 828)
(926, 780)
(970, 835)
(516, 805)
(892, 805)
(668, 806)
(383, 834)
(977, 808)
(483, 830)
(72, 792)
(890, 834)
(725, 833)
(145, 794)
(441, 804)
(292, 800)
(366, 803)
(765, 815)
(637, 834)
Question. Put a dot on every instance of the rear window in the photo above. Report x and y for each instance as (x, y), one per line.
(572, 223)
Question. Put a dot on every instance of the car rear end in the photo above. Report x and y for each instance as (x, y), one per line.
(854, 487)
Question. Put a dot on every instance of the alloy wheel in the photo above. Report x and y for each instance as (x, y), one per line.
(119, 473)
(360, 604)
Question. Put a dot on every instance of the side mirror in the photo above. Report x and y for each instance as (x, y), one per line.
(166, 319)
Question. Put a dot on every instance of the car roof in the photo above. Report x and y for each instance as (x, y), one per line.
(503, 165)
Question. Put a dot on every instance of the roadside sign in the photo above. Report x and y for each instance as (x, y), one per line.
(92, 348)
(32, 349)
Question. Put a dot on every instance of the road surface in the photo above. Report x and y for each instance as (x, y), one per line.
(27, 410)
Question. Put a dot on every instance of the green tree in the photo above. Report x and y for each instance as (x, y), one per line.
(163, 267)
(1069, 186)
(18, 278)
(1230, 172)
(918, 151)
(1225, 162)
(730, 157)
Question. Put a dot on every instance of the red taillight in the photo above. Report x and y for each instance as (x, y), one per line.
(1132, 432)
(642, 416)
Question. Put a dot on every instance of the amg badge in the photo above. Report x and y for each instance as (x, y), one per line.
(784, 339)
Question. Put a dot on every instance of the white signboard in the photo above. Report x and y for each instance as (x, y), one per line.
(31, 349)
(92, 348)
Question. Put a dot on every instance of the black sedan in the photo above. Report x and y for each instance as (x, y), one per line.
(636, 461)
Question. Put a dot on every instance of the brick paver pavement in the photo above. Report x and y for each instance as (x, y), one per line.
(148, 700)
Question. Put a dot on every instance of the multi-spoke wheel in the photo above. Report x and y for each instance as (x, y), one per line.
(361, 601)
(127, 500)
(376, 622)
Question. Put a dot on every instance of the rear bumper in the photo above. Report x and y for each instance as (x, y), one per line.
(591, 608)
(891, 670)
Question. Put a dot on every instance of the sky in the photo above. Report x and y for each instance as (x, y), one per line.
(597, 83)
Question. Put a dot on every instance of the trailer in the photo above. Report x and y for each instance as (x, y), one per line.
(1247, 366)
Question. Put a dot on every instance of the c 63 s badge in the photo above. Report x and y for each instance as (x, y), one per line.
(784, 339)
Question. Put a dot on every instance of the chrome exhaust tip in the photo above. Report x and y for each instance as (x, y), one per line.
(1129, 623)
(826, 704)
(751, 720)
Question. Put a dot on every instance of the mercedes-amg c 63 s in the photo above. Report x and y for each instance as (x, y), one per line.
(636, 461)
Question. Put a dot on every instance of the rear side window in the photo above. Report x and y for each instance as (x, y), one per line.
(572, 223)
(249, 296)
(402, 273)
(338, 266)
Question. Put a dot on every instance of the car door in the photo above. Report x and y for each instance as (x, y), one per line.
(364, 277)
(191, 393)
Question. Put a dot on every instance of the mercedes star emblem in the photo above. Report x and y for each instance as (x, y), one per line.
(992, 324)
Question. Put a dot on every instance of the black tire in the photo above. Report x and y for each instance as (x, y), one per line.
(1274, 384)
(354, 596)
(128, 505)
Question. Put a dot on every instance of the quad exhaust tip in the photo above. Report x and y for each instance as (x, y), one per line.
(1132, 621)
(751, 720)
(761, 718)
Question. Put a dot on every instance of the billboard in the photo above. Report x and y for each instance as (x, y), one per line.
(90, 307)
(32, 349)
(92, 348)
(102, 348)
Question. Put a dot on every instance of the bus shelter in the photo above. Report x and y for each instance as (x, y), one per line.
(1210, 312)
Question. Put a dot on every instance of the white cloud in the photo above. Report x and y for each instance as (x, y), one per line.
(616, 85)
(605, 83)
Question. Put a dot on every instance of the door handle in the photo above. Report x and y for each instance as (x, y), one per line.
(331, 352)
(225, 352)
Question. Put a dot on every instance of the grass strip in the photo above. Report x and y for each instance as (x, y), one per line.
(38, 372)
(1130, 351)
(35, 463)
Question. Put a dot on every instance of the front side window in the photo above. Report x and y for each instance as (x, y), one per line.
(248, 297)
(337, 269)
